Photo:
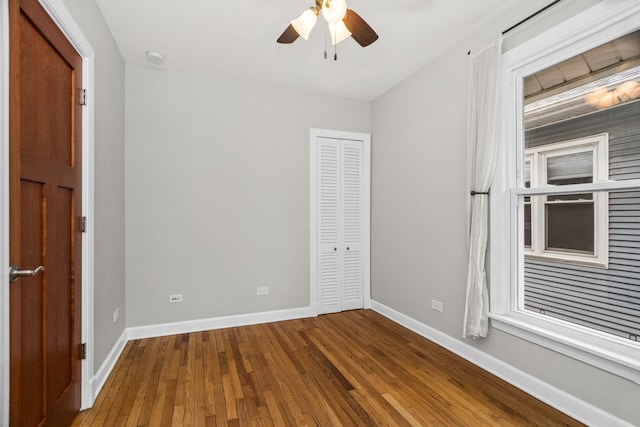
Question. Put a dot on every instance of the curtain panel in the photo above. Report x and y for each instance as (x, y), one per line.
(483, 133)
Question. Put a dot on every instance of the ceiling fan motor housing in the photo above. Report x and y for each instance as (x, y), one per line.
(334, 10)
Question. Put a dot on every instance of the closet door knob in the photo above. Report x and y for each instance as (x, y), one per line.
(347, 247)
(335, 249)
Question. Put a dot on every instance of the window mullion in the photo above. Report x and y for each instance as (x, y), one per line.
(603, 186)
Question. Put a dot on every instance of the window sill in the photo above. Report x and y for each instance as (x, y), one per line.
(568, 259)
(612, 354)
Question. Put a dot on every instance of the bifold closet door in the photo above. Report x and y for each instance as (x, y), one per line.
(340, 186)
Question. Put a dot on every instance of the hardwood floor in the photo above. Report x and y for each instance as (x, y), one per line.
(354, 368)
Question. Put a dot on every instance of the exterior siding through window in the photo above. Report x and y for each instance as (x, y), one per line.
(607, 300)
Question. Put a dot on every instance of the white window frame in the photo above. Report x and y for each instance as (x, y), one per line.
(537, 156)
(603, 22)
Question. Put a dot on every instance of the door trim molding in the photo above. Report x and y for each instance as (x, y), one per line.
(366, 201)
(64, 20)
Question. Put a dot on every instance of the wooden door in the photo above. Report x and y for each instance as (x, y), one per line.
(45, 219)
(340, 224)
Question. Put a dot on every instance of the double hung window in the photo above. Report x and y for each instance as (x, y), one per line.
(565, 200)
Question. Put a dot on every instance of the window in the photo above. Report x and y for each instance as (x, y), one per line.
(565, 200)
(566, 227)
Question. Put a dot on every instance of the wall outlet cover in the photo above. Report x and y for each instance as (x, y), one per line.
(436, 305)
(175, 298)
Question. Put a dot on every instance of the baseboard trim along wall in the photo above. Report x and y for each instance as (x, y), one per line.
(139, 332)
(98, 380)
(565, 402)
(553, 396)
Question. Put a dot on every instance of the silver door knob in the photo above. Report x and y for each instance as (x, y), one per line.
(15, 273)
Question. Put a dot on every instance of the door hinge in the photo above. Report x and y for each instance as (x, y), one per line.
(83, 97)
(84, 224)
(83, 351)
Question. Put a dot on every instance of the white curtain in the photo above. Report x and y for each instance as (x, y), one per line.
(483, 133)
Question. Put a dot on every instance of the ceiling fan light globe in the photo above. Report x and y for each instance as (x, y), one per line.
(339, 32)
(334, 11)
(304, 23)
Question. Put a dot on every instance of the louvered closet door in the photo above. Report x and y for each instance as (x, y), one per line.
(340, 266)
(329, 274)
(351, 224)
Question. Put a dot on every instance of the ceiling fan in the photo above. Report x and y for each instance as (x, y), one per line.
(343, 23)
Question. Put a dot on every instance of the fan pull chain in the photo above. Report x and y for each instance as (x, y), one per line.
(335, 46)
(325, 42)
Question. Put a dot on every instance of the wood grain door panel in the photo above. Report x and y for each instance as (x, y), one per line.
(30, 305)
(45, 214)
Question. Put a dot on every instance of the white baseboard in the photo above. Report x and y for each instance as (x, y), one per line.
(163, 329)
(98, 380)
(561, 400)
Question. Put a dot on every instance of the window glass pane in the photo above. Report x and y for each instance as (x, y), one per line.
(592, 93)
(604, 299)
(578, 266)
(576, 168)
(570, 227)
(601, 80)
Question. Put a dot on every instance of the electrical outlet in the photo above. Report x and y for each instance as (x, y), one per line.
(262, 291)
(175, 298)
(436, 305)
(116, 315)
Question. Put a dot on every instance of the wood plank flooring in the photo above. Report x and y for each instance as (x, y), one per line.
(354, 368)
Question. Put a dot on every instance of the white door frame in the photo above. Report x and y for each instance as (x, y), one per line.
(366, 204)
(62, 17)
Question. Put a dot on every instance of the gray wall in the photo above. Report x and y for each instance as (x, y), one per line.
(217, 193)
(418, 222)
(109, 290)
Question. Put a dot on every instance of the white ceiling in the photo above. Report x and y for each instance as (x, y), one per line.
(237, 39)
